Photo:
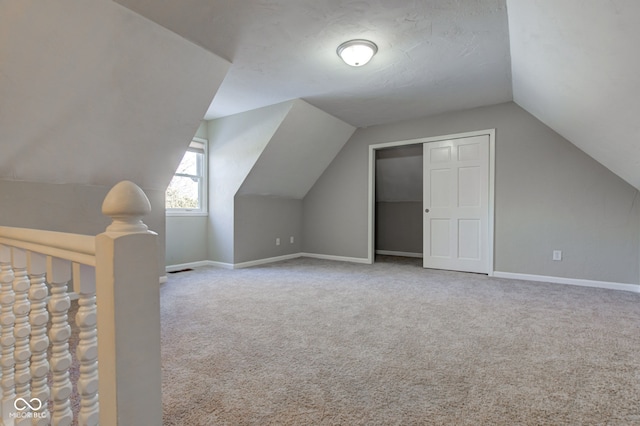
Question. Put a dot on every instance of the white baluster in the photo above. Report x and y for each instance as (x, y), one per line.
(58, 275)
(22, 329)
(38, 318)
(7, 340)
(84, 280)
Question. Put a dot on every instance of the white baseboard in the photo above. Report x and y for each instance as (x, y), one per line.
(264, 261)
(222, 265)
(171, 268)
(257, 262)
(508, 275)
(296, 255)
(337, 258)
(569, 281)
(399, 253)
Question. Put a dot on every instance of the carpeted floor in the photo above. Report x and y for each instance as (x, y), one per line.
(306, 342)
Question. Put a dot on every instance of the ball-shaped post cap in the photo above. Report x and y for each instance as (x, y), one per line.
(126, 204)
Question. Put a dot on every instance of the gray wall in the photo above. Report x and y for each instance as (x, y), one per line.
(259, 220)
(235, 144)
(549, 195)
(186, 239)
(187, 235)
(276, 151)
(399, 226)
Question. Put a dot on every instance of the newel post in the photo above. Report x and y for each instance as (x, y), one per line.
(128, 300)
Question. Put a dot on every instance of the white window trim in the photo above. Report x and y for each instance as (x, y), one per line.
(198, 144)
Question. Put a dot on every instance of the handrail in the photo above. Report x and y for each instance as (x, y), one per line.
(74, 247)
(114, 274)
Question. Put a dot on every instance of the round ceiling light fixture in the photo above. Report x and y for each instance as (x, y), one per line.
(357, 52)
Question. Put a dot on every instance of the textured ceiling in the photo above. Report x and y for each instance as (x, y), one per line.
(572, 61)
(434, 55)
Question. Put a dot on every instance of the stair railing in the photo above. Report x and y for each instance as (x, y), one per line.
(114, 276)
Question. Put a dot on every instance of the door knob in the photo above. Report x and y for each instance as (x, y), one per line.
(426, 210)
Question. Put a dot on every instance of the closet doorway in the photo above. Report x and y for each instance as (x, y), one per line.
(456, 176)
(398, 201)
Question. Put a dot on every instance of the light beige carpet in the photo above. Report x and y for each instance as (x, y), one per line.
(306, 342)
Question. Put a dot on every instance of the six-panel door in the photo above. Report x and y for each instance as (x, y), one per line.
(456, 204)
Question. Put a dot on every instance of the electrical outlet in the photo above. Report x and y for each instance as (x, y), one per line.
(277, 241)
(557, 255)
(291, 240)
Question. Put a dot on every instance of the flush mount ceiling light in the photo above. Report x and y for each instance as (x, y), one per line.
(357, 52)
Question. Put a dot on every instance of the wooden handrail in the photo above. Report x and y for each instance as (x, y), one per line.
(73, 247)
(116, 270)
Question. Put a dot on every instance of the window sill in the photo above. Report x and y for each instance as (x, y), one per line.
(185, 213)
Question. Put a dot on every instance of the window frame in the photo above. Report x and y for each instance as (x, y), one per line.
(200, 146)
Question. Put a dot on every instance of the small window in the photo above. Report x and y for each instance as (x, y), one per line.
(187, 192)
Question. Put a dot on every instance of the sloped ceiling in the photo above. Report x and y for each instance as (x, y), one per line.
(576, 68)
(434, 55)
(87, 72)
(570, 63)
(305, 143)
(92, 93)
(236, 143)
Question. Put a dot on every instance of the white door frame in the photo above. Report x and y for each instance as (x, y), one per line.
(372, 185)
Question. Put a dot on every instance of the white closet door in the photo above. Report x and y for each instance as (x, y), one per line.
(456, 204)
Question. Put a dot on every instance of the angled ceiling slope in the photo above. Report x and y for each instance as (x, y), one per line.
(236, 143)
(304, 145)
(575, 68)
(434, 56)
(570, 63)
(93, 93)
